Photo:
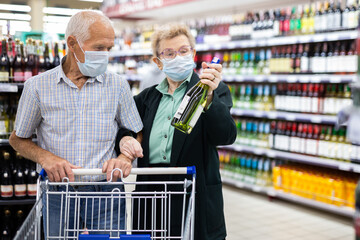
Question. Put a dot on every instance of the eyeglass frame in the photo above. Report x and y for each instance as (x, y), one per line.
(176, 52)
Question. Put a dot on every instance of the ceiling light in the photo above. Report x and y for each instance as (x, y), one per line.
(99, 1)
(56, 19)
(60, 11)
(17, 8)
(15, 16)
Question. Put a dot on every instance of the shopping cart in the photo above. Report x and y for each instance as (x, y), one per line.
(149, 214)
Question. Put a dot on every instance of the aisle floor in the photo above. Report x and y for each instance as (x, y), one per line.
(252, 216)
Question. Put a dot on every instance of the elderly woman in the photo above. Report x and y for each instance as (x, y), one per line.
(162, 145)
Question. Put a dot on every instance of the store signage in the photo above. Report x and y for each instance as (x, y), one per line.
(113, 9)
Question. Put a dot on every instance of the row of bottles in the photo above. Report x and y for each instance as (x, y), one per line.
(247, 168)
(327, 57)
(317, 98)
(19, 61)
(316, 183)
(18, 177)
(8, 107)
(11, 220)
(310, 139)
(317, 17)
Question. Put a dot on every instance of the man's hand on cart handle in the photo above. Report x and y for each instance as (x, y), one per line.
(130, 147)
(122, 162)
(57, 168)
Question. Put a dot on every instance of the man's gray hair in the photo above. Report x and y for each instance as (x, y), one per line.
(80, 22)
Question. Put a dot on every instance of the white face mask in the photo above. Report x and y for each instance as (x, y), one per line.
(178, 68)
(95, 62)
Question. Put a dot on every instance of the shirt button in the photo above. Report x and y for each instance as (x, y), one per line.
(165, 136)
(164, 157)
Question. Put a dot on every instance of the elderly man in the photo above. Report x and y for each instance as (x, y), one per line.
(76, 110)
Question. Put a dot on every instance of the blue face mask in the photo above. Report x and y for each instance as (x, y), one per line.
(95, 62)
(178, 68)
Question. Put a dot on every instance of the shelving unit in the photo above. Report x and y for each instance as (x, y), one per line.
(344, 211)
(277, 115)
(317, 161)
(253, 43)
(291, 78)
(288, 116)
(17, 202)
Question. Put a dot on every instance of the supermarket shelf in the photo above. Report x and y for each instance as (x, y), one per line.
(251, 43)
(319, 37)
(10, 87)
(344, 211)
(17, 202)
(291, 78)
(295, 157)
(301, 117)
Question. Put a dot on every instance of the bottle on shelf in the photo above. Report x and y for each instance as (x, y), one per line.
(56, 61)
(4, 63)
(7, 189)
(18, 63)
(6, 233)
(29, 60)
(19, 179)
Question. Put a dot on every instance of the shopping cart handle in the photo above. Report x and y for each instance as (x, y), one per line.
(43, 174)
(140, 171)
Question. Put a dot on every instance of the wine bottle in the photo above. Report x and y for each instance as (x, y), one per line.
(6, 225)
(191, 106)
(18, 63)
(4, 63)
(56, 61)
(7, 190)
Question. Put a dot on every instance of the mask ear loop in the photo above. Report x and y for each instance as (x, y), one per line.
(81, 50)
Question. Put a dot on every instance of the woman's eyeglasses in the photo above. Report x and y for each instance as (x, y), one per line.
(169, 53)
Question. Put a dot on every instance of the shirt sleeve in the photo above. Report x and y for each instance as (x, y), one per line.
(28, 115)
(127, 113)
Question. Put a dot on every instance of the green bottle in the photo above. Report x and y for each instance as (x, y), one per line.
(191, 106)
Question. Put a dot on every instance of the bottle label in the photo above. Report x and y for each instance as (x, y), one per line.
(311, 147)
(314, 104)
(295, 144)
(196, 116)
(27, 75)
(20, 190)
(7, 191)
(31, 190)
(2, 127)
(4, 76)
(182, 107)
(304, 64)
(19, 76)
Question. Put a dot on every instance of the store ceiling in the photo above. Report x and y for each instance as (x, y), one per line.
(199, 8)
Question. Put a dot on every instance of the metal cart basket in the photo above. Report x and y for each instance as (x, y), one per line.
(155, 210)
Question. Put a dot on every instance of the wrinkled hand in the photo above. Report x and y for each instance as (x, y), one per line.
(130, 147)
(211, 75)
(57, 168)
(122, 162)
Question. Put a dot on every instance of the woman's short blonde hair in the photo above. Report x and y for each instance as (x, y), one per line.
(170, 31)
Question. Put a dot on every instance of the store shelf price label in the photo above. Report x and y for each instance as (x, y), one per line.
(4, 87)
(316, 119)
(332, 37)
(344, 167)
(256, 188)
(356, 168)
(240, 184)
(272, 115)
(271, 154)
(271, 193)
(290, 117)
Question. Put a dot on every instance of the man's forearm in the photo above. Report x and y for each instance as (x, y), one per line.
(27, 148)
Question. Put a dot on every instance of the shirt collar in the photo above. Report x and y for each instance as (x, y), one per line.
(63, 77)
(164, 85)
